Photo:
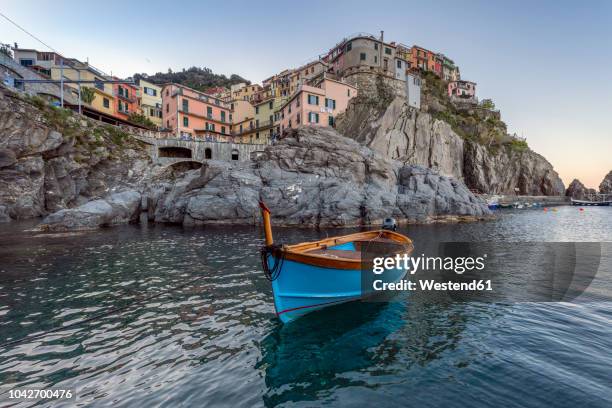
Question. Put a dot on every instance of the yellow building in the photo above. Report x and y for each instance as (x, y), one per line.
(150, 101)
(76, 70)
(243, 92)
(267, 120)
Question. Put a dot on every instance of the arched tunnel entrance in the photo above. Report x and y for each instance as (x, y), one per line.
(177, 152)
(183, 166)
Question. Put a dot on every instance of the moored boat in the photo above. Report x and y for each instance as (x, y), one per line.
(310, 276)
(591, 203)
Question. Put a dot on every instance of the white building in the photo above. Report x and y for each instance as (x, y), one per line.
(413, 90)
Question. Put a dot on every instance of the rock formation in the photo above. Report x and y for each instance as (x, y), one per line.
(313, 177)
(605, 187)
(43, 170)
(118, 208)
(578, 191)
(426, 137)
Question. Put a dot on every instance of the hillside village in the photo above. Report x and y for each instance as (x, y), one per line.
(313, 94)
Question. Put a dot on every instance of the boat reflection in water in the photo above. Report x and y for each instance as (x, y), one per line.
(301, 360)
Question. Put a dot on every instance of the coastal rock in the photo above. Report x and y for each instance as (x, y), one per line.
(502, 171)
(605, 187)
(402, 133)
(578, 191)
(43, 170)
(313, 177)
(118, 208)
(413, 136)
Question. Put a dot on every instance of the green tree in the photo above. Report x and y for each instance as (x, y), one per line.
(87, 95)
(142, 120)
(487, 104)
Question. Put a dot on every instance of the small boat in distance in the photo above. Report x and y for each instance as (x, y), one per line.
(310, 276)
(599, 203)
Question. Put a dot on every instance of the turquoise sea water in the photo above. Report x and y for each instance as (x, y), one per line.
(217, 342)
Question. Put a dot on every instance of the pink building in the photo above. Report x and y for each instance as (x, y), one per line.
(190, 113)
(462, 89)
(316, 105)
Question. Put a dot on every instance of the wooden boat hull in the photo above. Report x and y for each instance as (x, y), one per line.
(310, 279)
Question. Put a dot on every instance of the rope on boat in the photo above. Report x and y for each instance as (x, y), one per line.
(277, 253)
(101, 315)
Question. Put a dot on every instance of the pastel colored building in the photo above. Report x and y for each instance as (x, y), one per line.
(312, 106)
(243, 91)
(193, 114)
(421, 58)
(450, 72)
(305, 73)
(243, 120)
(126, 100)
(150, 101)
(53, 66)
(267, 123)
(462, 89)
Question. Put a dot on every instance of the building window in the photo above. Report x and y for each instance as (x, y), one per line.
(26, 62)
(222, 129)
(289, 111)
(185, 121)
(257, 135)
(399, 63)
(362, 56)
(330, 120)
(208, 153)
(349, 46)
(167, 107)
(313, 117)
(376, 59)
(348, 92)
(168, 124)
(209, 112)
(106, 103)
(222, 116)
(313, 100)
(270, 105)
(257, 110)
(185, 105)
(150, 91)
(375, 46)
(387, 50)
(298, 119)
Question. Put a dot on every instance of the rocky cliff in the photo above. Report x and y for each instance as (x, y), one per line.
(314, 177)
(51, 159)
(469, 143)
(578, 191)
(605, 187)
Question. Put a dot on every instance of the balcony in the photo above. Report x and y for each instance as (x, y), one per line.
(123, 96)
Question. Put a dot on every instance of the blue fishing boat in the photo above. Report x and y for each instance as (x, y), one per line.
(310, 276)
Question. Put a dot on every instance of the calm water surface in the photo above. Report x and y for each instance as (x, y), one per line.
(217, 342)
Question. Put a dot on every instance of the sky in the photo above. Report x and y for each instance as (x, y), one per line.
(547, 65)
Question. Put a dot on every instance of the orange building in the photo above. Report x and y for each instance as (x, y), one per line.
(126, 100)
(425, 60)
(193, 114)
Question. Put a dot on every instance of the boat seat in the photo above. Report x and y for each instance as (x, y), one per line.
(336, 253)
